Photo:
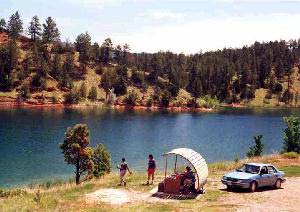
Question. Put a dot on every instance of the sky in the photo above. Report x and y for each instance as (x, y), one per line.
(187, 26)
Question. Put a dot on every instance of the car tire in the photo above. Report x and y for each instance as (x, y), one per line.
(229, 188)
(278, 184)
(253, 186)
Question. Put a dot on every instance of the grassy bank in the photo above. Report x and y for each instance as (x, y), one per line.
(69, 197)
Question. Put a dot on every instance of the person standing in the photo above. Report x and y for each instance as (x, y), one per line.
(123, 167)
(151, 169)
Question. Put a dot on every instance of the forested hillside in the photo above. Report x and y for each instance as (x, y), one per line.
(36, 66)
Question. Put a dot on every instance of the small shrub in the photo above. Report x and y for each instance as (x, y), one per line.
(268, 94)
(25, 91)
(290, 155)
(99, 70)
(72, 97)
(131, 98)
(54, 99)
(137, 77)
(257, 149)
(149, 102)
(38, 81)
(37, 197)
(83, 90)
(266, 101)
(12, 193)
(165, 99)
(93, 94)
(102, 161)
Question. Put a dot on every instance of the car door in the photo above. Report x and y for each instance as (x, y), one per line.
(272, 176)
(264, 177)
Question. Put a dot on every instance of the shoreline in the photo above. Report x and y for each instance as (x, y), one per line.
(14, 104)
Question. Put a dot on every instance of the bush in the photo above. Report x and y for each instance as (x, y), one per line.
(72, 97)
(207, 102)
(99, 70)
(11, 193)
(54, 99)
(38, 81)
(102, 161)
(268, 94)
(93, 94)
(291, 134)
(173, 89)
(137, 77)
(291, 155)
(149, 102)
(266, 101)
(287, 96)
(83, 90)
(25, 91)
(131, 98)
(257, 149)
(165, 99)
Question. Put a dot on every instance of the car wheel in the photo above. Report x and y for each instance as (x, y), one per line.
(278, 184)
(229, 188)
(253, 186)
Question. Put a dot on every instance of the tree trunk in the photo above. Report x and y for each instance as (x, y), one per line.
(77, 178)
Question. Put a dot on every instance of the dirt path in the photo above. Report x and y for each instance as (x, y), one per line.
(121, 196)
(285, 199)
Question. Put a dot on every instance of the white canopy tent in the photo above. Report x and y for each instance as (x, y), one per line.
(196, 160)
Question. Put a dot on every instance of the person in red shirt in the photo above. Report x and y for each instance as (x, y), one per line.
(151, 168)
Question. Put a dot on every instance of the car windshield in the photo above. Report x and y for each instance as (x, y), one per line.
(249, 169)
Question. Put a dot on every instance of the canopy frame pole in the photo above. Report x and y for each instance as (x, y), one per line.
(175, 169)
(166, 167)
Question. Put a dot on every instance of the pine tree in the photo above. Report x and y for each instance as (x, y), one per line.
(34, 29)
(50, 31)
(15, 25)
(2, 25)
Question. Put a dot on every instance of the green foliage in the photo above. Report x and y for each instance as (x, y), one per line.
(290, 155)
(34, 29)
(37, 197)
(207, 102)
(257, 149)
(72, 97)
(287, 96)
(137, 77)
(25, 91)
(54, 99)
(50, 31)
(291, 134)
(268, 94)
(165, 98)
(102, 161)
(15, 25)
(83, 91)
(93, 94)
(131, 98)
(38, 81)
(12, 192)
(76, 151)
(83, 46)
(2, 25)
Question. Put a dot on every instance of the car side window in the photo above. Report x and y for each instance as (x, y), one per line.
(271, 170)
(264, 170)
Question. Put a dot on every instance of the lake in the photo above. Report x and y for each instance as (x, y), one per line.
(29, 137)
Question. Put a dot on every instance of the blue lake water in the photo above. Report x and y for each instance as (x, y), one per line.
(29, 138)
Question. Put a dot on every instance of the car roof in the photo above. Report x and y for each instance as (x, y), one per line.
(259, 164)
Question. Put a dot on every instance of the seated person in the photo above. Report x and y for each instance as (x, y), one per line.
(188, 179)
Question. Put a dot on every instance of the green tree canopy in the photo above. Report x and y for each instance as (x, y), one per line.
(50, 31)
(34, 29)
(15, 25)
(291, 134)
(257, 149)
(76, 151)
